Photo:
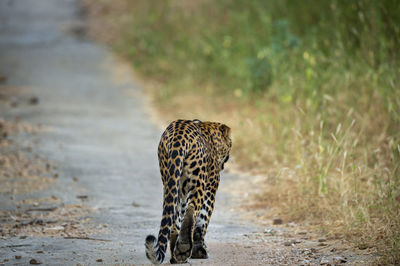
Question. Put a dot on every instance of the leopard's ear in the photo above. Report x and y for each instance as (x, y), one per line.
(226, 131)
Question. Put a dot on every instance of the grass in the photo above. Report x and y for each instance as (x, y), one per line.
(311, 90)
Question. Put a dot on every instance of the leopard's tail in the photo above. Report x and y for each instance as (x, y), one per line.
(153, 252)
(156, 248)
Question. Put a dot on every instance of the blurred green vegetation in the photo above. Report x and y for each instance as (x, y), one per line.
(259, 46)
(312, 86)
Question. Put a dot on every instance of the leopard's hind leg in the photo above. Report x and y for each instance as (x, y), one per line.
(199, 250)
(203, 219)
(184, 243)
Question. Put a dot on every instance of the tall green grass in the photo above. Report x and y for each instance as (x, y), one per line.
(311, 89)
(250, 46)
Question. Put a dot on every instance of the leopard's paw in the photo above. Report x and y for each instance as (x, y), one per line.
(182, 252)
(199, 252)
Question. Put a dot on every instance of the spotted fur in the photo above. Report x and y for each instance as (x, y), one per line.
(191, 155)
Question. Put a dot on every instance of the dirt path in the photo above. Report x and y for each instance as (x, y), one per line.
(76, 117)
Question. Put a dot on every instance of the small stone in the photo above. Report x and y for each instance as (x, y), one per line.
(305, 262)
(54, 228)
(287, 243)
(322, 244)
(297, 241)
(99, 260)
(339, 259)
(363, 246)
(82, 197)
(324, 261)
(17, 257)
(34, 261)
(269, 231)
(34, 100)
(3, 78)
(276, 221)
(313, 250)
(39, 251)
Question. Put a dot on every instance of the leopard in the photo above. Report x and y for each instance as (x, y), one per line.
(191, 156)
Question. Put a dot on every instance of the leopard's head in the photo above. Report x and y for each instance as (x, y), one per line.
(221, 137)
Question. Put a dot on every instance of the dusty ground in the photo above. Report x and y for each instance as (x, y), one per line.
(79, 174)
